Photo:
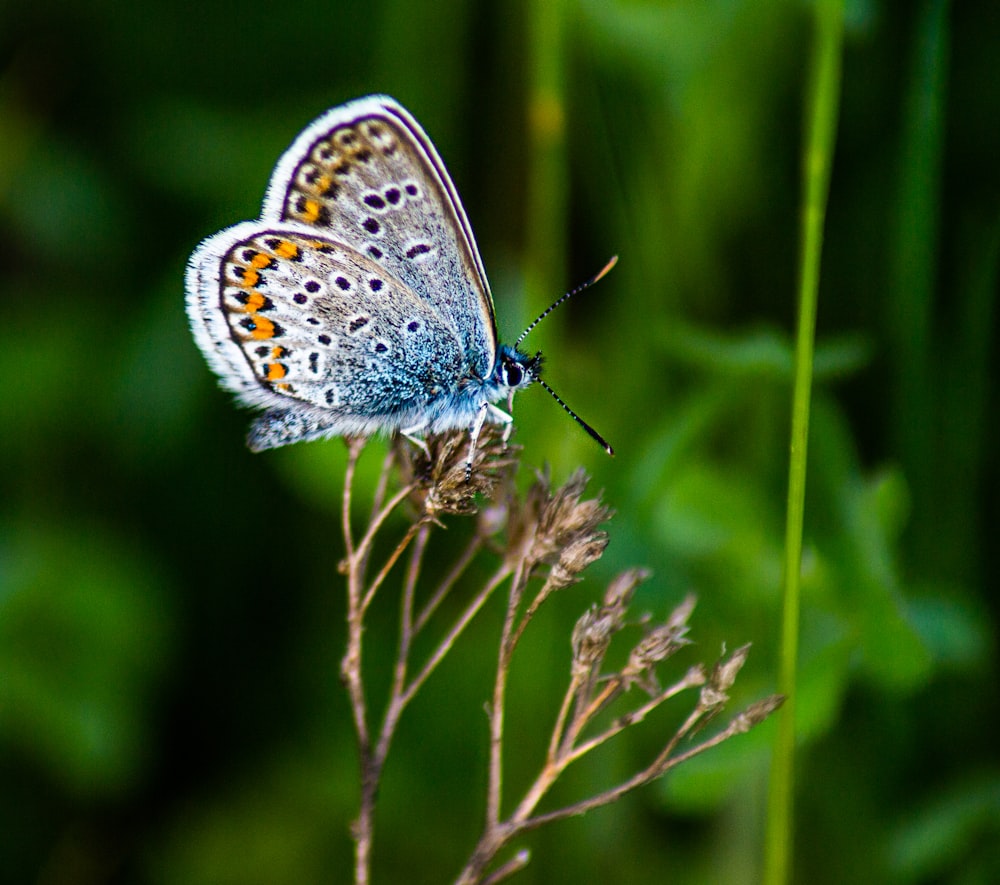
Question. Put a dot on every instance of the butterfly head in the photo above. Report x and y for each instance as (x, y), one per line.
(516, 370)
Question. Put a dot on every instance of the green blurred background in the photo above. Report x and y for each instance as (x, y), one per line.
(170, 608)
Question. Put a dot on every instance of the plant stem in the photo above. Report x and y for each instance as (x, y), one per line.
(822, 103)
(351, 674)
(495, 778)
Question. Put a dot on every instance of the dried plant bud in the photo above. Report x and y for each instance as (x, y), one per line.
(657, 645)
(557, 527)
(725, 672)
(621, 589)
(680, 616)
(565, 518)
(593, 631)
(443, 481)
(722, 677)
(575, 557)
(757, 712)
(590, 640)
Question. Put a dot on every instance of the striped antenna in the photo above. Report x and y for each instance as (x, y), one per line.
(601, 441)
(601, 273)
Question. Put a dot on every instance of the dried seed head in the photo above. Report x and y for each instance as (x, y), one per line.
(723, 676)
(716, 692)
(621, 589)
(758, 711)
(575, 557)
(565, 516)
(442, 481)
(590, 640)
(593, 631)
(657, 645)
(548, 524)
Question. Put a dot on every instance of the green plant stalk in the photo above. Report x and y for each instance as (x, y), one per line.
(913, 271)
(822, 103)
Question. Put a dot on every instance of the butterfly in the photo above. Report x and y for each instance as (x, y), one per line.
(358, 303)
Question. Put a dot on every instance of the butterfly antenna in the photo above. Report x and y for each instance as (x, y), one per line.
(601, 441)
(601, 273)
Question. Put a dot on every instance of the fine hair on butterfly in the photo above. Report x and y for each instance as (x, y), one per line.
(357, 302)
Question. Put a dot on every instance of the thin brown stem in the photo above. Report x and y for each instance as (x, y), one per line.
(383, 481)
(517, 863)
(495, 777)
(397, 695)
(378, 498)
(587, 711)
(543, 594)
(351, 673)
(444, 646)
(387, 567)
(354, 448)
(381, 516)
(569, 698)
(397, 692)
(633, 718)
(662, 764)
(444, 588)
(406, 627)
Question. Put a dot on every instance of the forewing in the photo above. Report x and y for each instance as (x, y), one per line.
(366, 175)
(296, 316)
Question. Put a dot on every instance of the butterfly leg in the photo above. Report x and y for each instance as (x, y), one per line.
(499, 416)
(474, 431)
(508, 419)
(411, 434)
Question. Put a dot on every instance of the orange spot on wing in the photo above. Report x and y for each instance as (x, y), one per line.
(275, 371)
(310, 210)
(264, 328)
(250, 278)
(288, 249)
(260, 261)
(255, 301)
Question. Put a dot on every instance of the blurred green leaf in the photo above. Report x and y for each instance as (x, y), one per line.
(84, 644)
(934, 839)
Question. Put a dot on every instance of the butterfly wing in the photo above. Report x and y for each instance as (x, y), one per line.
(367, 176)
(318, 334)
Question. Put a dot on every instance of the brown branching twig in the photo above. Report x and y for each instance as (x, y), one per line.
(543, 539)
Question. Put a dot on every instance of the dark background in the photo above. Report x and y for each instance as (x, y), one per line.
(170, 609)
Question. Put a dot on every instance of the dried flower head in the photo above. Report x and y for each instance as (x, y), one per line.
(442, 480)
(621, 589)
(657, 645)
(575, 557)
(590, 640)
(716, 692)
(596, 626)
(558, 527)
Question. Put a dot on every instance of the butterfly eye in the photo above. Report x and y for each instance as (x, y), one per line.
(513, 374)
